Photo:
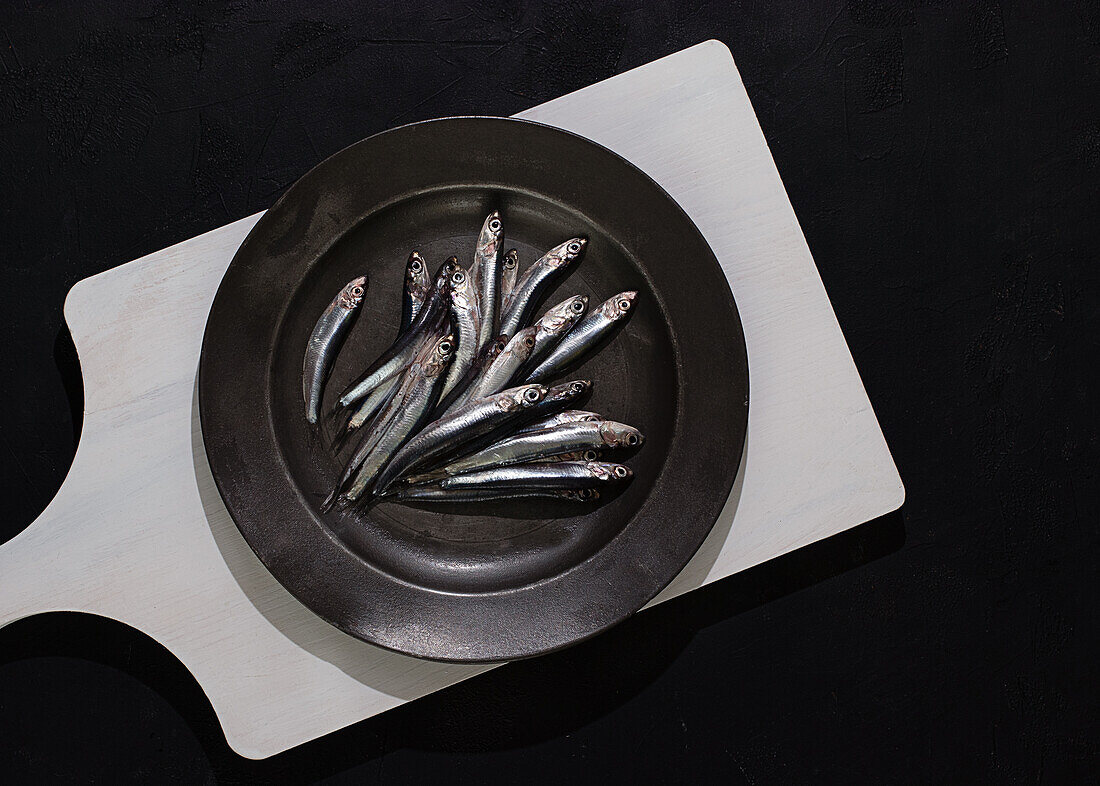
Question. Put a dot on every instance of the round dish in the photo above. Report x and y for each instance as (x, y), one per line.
(504, 580)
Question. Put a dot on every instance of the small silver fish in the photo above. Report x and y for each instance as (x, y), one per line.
(403, 415)
(467, 319)
(509, 270)
(435, 494)
(485, 272)
(554, 324)
(430, 317)
(553, 400)
(461, 389)
(572, 439)
(531, 286)
(559, 475)
(474, 420)
(495, 376)
(587, 334)
(568, 416)
(325, 342)
(438, 474)
(556, 399)
(417, 284)
(392, 400)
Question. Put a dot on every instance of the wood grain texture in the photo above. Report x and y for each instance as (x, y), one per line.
(138, 532)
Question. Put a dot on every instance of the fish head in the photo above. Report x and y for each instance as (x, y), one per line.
(609, 472)
(462, 290)
(522, 397)
(492, 232)
(562, 255)
(352, 294)
(620, 435)
(416, 270)
(582, 455)
(439, 357)
(446, 270)
(563, 316)
(569, 391)
(497, 345)
(618, 306)
(581, 495)
(523, 343)
(511, 259)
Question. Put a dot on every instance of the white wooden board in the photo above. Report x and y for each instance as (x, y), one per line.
(138, 532)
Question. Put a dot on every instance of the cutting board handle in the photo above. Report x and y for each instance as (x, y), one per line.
(36, 572)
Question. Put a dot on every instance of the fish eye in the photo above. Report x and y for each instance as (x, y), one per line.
(529, 341)
(621, 471)
(415, 266)
(586, 494)
(578, 306)
(509, 262)
(590, 455)
(357, 291)
(632, 439)
(577, 387)
(574, 247)
(624, 304)
(445, 347)
(532, 394)
(494, 225)
(459, 277)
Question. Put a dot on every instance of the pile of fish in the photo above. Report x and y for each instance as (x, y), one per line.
(460, 407)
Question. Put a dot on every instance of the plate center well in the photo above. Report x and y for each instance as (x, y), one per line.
(489, 546)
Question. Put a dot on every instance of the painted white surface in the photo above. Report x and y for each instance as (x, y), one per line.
(138, 532)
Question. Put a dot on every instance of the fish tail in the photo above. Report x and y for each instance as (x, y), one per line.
(341, 437)
(330, 500)
(333, 415)
(365, 501)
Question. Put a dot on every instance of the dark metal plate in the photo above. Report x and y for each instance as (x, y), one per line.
(498, 581)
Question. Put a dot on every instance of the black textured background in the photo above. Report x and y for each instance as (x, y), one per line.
(944, 160)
